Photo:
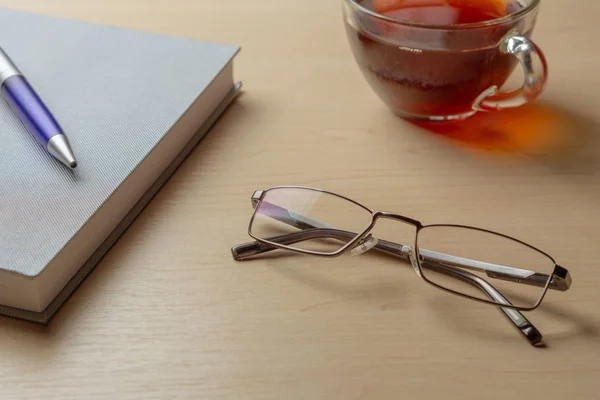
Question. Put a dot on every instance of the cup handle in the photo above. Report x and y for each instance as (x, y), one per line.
(536, 74)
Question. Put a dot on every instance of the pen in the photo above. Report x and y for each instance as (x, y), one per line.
(32, 112)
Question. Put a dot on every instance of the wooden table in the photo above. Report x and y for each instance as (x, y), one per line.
(168, 313)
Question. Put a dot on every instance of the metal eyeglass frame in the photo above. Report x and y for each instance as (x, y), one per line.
(559, 280)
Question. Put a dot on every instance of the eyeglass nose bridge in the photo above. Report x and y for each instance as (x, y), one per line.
(408, 250)
(397, 217)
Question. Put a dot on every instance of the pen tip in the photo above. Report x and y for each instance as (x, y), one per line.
(58, 146)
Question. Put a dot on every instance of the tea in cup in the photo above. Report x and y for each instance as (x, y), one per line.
(446, 59)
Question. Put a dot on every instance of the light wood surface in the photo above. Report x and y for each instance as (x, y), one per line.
(168, 314)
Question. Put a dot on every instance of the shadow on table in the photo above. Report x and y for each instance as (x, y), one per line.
(574, 324)
(315, 274)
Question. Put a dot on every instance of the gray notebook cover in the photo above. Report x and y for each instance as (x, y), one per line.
(116, 93)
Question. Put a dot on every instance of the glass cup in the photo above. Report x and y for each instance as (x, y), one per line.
(447, 72)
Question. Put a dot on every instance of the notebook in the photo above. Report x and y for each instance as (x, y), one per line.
(133, 105)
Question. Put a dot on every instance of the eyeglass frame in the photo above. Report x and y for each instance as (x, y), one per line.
(560, 277)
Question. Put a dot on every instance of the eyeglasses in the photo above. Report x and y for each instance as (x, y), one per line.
(474, 263)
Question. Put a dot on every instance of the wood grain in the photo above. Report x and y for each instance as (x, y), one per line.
(169, 314)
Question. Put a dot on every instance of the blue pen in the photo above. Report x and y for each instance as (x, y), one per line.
(32, 112)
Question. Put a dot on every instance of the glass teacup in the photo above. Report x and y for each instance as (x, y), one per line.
(446, 71)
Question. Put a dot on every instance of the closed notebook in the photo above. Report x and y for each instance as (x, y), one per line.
(133, 105)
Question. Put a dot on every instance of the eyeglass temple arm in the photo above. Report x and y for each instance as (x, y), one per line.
(561, 279)
(247, 250)
(524, 326)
